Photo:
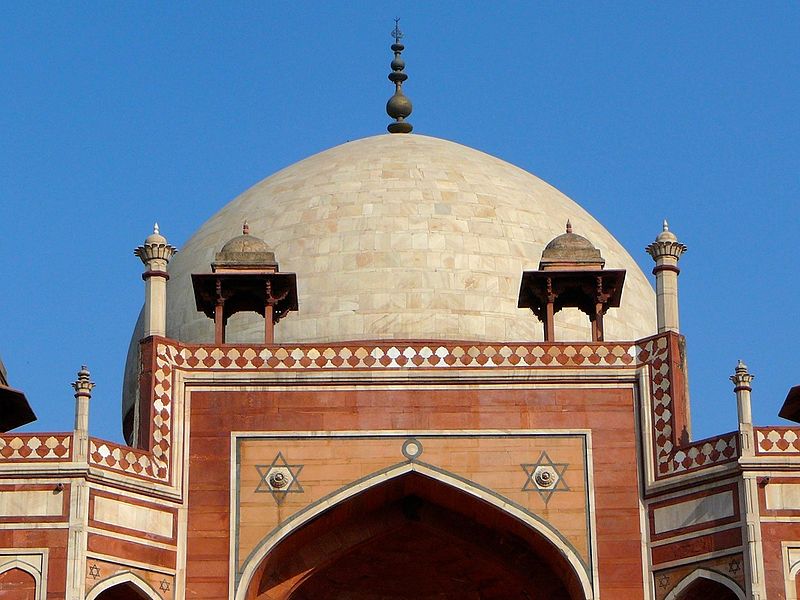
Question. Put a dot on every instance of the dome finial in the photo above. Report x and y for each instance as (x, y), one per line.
(569, 226)
(398, 107)
(666, 225)
(245, 228)
(155, 228)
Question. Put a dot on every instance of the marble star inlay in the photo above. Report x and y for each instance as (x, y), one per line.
(279, 478)
(663, 581)
(545, 477)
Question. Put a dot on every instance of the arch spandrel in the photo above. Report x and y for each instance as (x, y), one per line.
(125, 585)
(317, 468)
(476, 502)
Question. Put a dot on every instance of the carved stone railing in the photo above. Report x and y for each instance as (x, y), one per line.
(37, 447)
(780, 441)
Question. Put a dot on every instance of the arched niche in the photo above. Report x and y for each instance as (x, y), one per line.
(18, 582)
(123, 586)
(703, 584)
(413, 535)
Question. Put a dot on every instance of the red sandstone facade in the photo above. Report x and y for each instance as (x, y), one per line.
(405, 468)
(389, 446)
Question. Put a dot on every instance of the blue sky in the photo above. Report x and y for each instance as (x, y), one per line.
(114, 115)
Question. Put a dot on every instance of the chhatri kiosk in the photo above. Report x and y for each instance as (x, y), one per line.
(402, 369)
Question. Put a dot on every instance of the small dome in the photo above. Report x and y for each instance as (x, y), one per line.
(666, 235)
(571, 249)
(155, 237)
(245, 244)
(245, 250)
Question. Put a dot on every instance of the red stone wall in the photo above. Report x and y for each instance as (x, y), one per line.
(16, 584)
(608, 413)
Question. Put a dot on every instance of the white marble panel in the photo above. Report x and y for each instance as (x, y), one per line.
(693, 512)
(38, 503)
(131, 516)
(783, 496)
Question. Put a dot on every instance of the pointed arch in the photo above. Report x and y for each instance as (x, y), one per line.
(573, 565)
(698, 574)
(26, 568)
(120, 579)
(22, 566)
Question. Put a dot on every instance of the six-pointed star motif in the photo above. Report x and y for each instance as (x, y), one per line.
(545, 477)
(279, 478)
(663, 581)
(734, 566)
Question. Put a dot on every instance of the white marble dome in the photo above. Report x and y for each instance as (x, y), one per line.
(404, 237)
(401, 237)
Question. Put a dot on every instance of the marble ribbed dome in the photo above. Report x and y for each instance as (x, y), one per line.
(404, 237)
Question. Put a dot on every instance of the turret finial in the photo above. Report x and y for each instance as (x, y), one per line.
(569, 226)
(155, 228)
(741, 377)
(398, 107)
(666, 226)
(245, 228)
(83, 385)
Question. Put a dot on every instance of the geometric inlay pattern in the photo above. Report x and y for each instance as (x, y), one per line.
(408, 356)
(127, 459)
(669, 458)
(777, 440)
(35, 447)
(153, 464)
(279, 478)
(735, 565)
(655, 352)
(545, 477)
(663, 581)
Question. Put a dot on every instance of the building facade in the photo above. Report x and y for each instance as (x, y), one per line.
(374, 392)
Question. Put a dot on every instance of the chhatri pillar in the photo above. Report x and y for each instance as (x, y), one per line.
(155, 253)
(245, 277)
(666, 250)
(83, 387)
(741, 379)
(571, 275)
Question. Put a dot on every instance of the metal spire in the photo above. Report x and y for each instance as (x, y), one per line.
(396, 33)
(398, 107)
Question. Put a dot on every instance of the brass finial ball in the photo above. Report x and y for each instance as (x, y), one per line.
(398, 106)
